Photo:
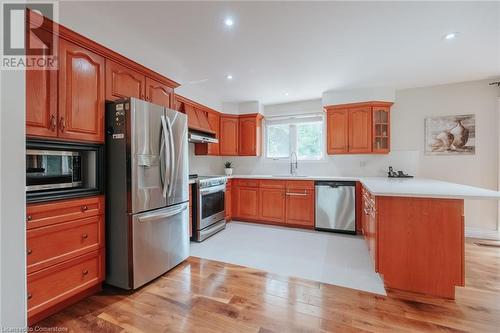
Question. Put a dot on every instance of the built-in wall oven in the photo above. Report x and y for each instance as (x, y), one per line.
(209, 209)
(60, 169)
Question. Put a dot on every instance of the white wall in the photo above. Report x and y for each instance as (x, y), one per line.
(411, 107)
(12, 201)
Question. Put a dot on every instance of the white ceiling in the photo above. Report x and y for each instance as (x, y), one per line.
(296, 47)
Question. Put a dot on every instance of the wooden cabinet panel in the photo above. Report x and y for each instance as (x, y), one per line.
(360, 130)
(228, 204)
(247, 202)
(41, 97)
(272, 205)
(250, 135)
(81, 93)
(53, 285)
(300, 184)
(158, 93)
(190, 210)
(43, 214)
(248, 182)
(228, 144)
(53, 244)
(337, 131)
(381, 131)
(300, 207)
(269, 183)
(123, 82)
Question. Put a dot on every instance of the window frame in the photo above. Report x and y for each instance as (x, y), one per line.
(293, 121)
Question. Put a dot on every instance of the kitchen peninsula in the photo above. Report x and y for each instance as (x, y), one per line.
(414, 228)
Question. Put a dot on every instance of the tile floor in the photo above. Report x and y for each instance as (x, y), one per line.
(336, 259)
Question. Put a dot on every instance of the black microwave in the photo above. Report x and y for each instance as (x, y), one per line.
(57, 170)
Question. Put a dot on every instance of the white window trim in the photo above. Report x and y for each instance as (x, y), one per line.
(295, 119)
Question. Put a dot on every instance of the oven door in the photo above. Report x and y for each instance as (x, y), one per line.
(211, 206)
(47, 170)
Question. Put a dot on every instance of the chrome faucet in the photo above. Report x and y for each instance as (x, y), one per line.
(293, 165)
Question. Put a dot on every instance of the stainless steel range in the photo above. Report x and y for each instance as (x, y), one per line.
(208, 208)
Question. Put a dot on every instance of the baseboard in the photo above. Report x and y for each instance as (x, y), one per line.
(482, 234)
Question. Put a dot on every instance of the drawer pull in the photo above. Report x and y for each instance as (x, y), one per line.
(297, 194)
(85, 272)
(29, 251)
(29, 218)
(29, 296)
(85, 236)
(84, 208)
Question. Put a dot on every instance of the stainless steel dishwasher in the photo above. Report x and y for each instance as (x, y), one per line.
(335, 206)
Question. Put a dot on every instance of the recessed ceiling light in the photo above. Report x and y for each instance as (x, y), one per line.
(229, 77)
(450, 35)
(229, 22)
(286, 94)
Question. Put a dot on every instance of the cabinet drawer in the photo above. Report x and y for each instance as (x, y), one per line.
(300, 184)
(57, 283)
(266, 183)
(58, 242)
(39, 215)
(248, 182)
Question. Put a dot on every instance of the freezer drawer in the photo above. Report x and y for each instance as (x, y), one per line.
(335, 206)
(160, 242)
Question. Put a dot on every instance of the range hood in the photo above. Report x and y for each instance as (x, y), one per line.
(199, 137)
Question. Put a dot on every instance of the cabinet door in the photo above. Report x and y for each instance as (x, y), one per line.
(249, 136)
(300, 207)
(272, 205)
(360, 130)
(381, 136)
(81, 93)
(122, 82)
(248, 203)
(228, 144)
(214, 121)
(158, 93)
(337, 131)
(228, 202)
(372, 238)
(41, 97)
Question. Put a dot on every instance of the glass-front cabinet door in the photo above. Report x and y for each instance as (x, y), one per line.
(381, 129)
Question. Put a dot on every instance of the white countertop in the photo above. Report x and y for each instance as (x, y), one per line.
(401, 187)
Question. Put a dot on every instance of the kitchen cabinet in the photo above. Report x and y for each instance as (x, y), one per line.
(250, 135)
(190, 210)
(228, 202)
(81, 93)
(123, 82)
(229, 126)
(247, 202)
(159, 93)
(41, 97)
(358, 128)
(300, 203)
(65, 253)
(272, 201)
(338, 131)
(369, 225)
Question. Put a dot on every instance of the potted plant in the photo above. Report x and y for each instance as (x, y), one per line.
(228, 168)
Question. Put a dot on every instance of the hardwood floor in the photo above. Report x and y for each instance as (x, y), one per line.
(208, 296)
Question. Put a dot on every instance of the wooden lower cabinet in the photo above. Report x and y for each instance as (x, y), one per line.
(65, 253)
(228, 201)
(289, 203)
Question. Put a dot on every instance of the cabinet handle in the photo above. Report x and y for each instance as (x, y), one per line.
(29, 218)
(297, 194)
(62, 124)
(85, 272)
(29, 251)
(29, 296)
(53, 122)
(84, 208)
(85, 236)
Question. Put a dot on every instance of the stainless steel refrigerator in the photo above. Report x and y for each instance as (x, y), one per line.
(147, 230)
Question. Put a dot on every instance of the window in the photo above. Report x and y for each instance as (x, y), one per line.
(302, 135)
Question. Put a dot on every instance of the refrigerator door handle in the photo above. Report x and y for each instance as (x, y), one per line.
(172, 158)
(162, 215)
(164, 171)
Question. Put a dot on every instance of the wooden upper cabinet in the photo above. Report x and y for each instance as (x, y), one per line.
(123, 82)
(381, 129)
(360, 127)
(228, 144)
(41, 96)
(81, 93)
(250, 133)
(159, 93)
(337, 131)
